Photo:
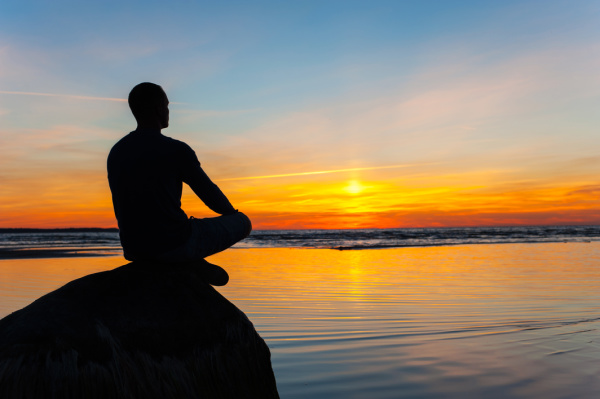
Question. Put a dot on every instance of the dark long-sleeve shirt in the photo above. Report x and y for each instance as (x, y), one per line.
(145, 173)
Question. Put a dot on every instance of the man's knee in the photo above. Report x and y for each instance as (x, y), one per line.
(238, 224)
(247, 224)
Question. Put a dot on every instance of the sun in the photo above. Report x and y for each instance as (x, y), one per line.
(354, 187)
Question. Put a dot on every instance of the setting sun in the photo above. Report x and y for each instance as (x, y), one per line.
(354, 187)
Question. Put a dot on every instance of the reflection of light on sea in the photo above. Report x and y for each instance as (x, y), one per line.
(358, 276)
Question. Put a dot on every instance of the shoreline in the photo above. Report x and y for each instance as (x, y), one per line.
(49, 253)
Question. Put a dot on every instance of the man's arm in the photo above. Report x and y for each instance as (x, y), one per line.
(208, 191)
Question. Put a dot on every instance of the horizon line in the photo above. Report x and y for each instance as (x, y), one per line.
(358, 228)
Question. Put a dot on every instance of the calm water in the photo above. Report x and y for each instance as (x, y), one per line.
(464, 321)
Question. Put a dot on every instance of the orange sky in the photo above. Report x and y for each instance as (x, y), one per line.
(411, 196)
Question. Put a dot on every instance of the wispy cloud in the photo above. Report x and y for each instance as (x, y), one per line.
(457, 111)
(72, 96)
(322, 172)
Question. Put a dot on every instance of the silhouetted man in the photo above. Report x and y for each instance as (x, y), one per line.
(145, 173)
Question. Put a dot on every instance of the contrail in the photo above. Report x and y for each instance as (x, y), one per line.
(322, 172)
(29, 93)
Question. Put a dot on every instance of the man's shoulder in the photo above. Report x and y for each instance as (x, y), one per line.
(158, 145)
(177, 145)
(136, 139)
(119, 144)
(173, 141)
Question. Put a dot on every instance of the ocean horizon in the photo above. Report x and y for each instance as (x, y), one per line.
(98, 241)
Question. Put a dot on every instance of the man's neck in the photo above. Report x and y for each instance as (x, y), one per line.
(149, 126)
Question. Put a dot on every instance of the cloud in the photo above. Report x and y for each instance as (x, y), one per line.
(460, 110)
(63, 147)
(69, 96)
(321, 172)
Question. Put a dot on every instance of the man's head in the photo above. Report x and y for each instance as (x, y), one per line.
(149, 105)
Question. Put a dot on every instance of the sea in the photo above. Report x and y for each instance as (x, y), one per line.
(107, 240)
(486, 312)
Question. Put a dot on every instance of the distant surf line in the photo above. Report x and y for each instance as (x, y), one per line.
(322, 172)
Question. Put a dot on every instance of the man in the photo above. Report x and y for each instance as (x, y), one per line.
(145, 173)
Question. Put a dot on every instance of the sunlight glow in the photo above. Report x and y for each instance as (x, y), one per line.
(354, 187)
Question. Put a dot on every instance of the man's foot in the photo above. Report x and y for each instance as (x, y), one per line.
(213, 274)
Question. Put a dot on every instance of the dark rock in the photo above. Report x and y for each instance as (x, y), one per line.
(138, 331)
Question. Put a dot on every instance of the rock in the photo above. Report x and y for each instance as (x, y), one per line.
(138, 331)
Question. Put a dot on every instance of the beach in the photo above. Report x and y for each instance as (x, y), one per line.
(494, 321)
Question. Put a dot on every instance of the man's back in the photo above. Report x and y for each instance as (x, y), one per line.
(145, 173)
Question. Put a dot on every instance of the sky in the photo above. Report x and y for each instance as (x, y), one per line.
(311, 114)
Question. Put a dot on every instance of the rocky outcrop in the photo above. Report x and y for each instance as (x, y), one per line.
(138, 331)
